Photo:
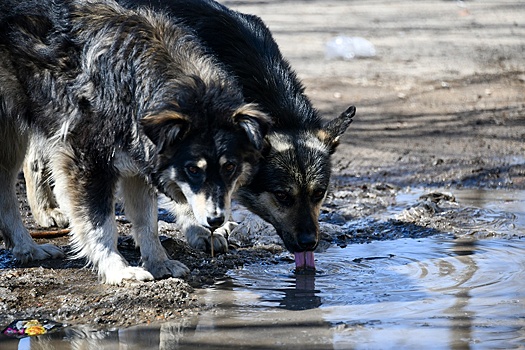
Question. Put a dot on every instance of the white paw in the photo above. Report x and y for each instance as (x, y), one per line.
(226, 229)
(116, 276)
(200, 238)
(220, 243)
(167, 268)
(49, 217)
(53, 217)
(33, 251)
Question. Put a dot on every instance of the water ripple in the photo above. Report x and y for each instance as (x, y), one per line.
(391, 271)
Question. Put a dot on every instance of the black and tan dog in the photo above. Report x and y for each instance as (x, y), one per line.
(118, 97)
(293, 178)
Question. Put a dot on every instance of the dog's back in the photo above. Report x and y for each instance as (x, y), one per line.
(244, 44)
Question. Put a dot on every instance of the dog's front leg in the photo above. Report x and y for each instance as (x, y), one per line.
(39, 192)
(86, 190)
(12, 228)
(140, 202)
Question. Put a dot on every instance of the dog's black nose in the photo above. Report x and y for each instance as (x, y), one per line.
(307, 241)
(215, 221)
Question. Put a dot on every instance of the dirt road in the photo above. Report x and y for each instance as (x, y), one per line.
(442, 103)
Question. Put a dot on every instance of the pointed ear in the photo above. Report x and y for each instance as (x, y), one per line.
(332, 130)
(164, 128)
(254, 123)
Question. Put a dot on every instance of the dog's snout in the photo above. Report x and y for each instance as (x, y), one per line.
(307, 241)
(215, 221)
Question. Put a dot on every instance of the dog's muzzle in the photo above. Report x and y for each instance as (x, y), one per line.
(215, 221)
(307, 241)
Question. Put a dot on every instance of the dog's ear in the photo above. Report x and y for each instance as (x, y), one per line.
(165, 128)
(254, 123)
(332, 131)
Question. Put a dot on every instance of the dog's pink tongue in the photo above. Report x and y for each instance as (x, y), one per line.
(304, 260)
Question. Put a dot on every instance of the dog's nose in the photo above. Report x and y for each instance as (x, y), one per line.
(307, 241)
(215, 221)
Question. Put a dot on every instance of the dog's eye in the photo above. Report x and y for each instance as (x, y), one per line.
(282, 197)
(318, 195)
(193, 170)
(229, 167)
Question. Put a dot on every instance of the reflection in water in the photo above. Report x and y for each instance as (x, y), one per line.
(461, 317)
(302, 295)
(461, 321)
(450, 293)
(440, 292)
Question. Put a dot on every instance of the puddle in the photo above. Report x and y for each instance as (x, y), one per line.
(451, 290)
(443, 292)
(493, 204)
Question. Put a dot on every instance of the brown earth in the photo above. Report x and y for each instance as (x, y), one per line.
(441, 104)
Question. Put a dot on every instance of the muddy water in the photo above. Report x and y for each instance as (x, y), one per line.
(457, 289)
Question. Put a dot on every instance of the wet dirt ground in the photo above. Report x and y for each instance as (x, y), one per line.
(440, 105)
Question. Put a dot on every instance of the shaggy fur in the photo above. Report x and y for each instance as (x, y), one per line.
(293, 177)
(114, 97)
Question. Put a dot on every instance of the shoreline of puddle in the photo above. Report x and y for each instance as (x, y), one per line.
(448, 290)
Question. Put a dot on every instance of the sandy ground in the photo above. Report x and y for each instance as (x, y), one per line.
(441, 104)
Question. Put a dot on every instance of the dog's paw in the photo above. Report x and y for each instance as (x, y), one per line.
(33, 251)
(226, 229)
(117, 276)
(51, 218)
(220, 243)
(168, 268)
(200, 238)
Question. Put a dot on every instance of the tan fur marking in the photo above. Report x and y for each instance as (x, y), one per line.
(317, 144)
(280, 143)
(202, 164)
(323, 136)
(164, 116)
(250, 109)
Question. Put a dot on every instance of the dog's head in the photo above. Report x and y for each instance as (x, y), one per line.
(204, 154)
(292, 182)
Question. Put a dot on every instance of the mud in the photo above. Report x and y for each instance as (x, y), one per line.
(441, 105)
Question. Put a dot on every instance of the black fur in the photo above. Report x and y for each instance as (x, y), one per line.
(290, 185)
(127, 96)
(245, 45)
